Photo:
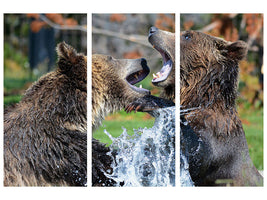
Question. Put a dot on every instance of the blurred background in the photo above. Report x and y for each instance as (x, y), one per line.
(249, 28)
(126, 36)
(29, 47)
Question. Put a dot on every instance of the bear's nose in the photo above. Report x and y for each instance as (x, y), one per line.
(143, 62)
(152, 30)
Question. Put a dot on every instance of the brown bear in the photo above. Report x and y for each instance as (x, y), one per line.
(113, 84)
(164, 43)
(45, 134)
(112, 89)
(218, 151)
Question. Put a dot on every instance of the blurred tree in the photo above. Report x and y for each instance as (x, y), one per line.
(42, 36)
(29, 43)
(165, 22)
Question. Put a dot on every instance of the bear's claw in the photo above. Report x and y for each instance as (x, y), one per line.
(148, 103)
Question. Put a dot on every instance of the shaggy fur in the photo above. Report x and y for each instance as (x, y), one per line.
(101, 162)
(45, 140)
(111, 92)
(209, 79)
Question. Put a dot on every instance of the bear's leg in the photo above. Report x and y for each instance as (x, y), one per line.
(148, 103)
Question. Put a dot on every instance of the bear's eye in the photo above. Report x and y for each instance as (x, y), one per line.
(187, 36)
(109, 58)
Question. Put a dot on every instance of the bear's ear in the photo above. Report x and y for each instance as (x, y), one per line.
(65, 51)
(67, 57)
(237, 50)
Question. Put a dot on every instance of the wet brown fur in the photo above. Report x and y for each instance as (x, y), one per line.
(209, 80)
(45, 140)
(110, 92)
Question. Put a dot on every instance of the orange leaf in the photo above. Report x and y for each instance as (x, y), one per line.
(165, 22)
(37, 25)
(33, 15)
(117, 17)
(132, 54)
(188, 25)
(70, 22)
(57, 18)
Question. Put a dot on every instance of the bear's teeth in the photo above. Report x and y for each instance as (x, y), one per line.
(140, 86)
(158, 75)
(135, 76)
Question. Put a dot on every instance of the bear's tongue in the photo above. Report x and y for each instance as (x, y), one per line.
(163, 73)
(136, 78)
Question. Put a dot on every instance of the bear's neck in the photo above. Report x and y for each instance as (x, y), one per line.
(168, 93)
(216, 88)
(109, 95)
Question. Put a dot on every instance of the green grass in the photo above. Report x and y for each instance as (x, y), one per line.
(8, 100)
(253, 127)
(14, 88)
(115, 122)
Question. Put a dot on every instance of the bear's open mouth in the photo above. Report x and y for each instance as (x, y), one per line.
(165, 71)
(136, 77)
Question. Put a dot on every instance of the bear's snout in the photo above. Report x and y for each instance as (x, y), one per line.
(152, 30)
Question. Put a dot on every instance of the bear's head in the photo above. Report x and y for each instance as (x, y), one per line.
(164, 43)
(116, 77)
(69, 77)
(113, 84)
(209, 69)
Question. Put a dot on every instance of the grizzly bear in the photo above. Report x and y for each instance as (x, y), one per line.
(112, 89)
(164, 43)
(45, 134)
(113, 84)
(217, 148)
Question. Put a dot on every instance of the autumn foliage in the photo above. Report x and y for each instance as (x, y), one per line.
(117, 17)
(165, 22)
(58, 19)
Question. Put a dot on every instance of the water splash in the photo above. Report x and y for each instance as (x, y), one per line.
(148, 157)
(189, 145)
(185, 178)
